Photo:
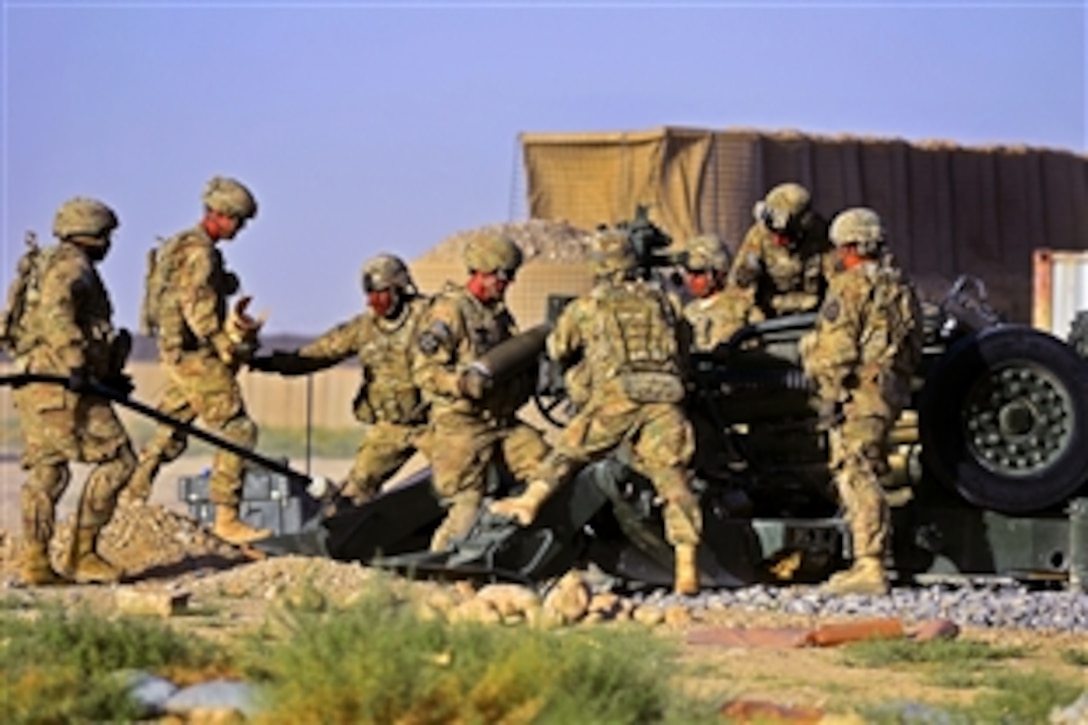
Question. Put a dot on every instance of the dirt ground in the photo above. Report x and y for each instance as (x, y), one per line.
(233, 593)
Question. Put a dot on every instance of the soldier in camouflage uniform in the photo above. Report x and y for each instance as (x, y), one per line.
(473, 421)
(631, 336)
(64, 328)
(388, 404)
(716, 311)
(201, 347)
(861, 355)
(784, 261)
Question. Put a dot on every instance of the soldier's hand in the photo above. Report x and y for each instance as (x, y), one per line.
(120, 383)
(79, 380)
(474, 383)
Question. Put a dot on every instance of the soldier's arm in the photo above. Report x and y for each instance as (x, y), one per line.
(748, 263)
(61, 290)
(436, 368)
(330, 348)
(199, 299)
(565, 339)
(835, 350)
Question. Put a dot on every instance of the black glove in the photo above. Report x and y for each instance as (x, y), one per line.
(79, 381)
(829, 414)
(121, 383)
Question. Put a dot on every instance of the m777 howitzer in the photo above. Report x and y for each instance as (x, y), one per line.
(989, 470)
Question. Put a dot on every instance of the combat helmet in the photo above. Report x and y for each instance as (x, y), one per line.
(86, 221)
(706, 252)
(387, 271)
(491, 253)
(784, 204)
(611, 252)
(230, 197)
(861, 227)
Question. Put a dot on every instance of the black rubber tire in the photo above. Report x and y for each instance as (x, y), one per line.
(976, 406)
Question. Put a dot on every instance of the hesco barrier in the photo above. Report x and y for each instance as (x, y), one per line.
(950, 209)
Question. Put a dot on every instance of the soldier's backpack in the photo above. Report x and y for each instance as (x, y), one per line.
(23, 297)
(638, 326)
(155, 280)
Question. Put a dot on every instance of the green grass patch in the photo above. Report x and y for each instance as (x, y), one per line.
(1021, 698)
(1076, 657)
(378, 663)
(62, 666)
(954, 653)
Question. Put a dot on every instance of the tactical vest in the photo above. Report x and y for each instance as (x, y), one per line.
(635, 340)
(23, 297)
(386, 354)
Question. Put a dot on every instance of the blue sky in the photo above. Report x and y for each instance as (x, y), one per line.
(368, 127)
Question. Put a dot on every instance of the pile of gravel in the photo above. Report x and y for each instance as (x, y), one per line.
(550, 241)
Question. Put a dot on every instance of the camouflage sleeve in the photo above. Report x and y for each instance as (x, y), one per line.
(835, 347)
(565, 339)
(61, 289)
(748, 263)
(335, 345)
(436, 369)
(198, 296)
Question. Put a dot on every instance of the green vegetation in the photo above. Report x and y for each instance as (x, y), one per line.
(380, 663)
(1003, 696)
(943, 652)
(1076, 657)
(275, 442)
(63, 666)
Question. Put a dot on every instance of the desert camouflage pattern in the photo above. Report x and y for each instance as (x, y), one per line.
(201, 359)
(229, 196)
(714, 319)
(629, 331)
(467, 434)
(68, 327)
(861, 355)
(491, 252)
(388, 402)
(781, 279)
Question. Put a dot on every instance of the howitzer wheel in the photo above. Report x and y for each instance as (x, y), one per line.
(1003, 420)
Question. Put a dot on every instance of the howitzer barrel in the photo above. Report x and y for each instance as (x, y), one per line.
(512, 356)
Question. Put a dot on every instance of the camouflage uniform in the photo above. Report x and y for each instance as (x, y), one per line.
(201, 349)
(631, 335)
(66, 328)
(861, 355)
(469, 427)
(388, 403)
(783, 263)
(715, 317)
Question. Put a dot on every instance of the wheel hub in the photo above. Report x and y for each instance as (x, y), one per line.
(1017, 419)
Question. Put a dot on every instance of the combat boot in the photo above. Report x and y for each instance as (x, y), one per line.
(35, 569)
(687, 571)
(866, 576)
(89, 567)
(523, 508)
(232, 529)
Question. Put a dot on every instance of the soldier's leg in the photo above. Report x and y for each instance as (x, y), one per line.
(543, 471)
(860, 462)
(462, 448)
(663, 447)
(38, 498)
(98, 503)
(166, 445)
(214, 393)
(103, 441)
(383, 449)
